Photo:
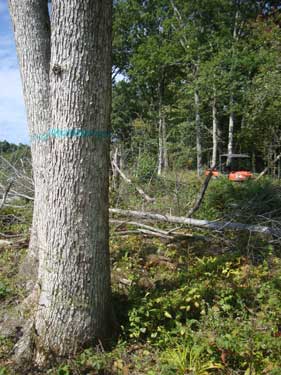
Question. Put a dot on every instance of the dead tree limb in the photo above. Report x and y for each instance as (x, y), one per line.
(5, 194)
(23, 185)
(205, 224)
(4, 235)
(129, 181)
(136, 224)
(201, 193)
(267, 168)
(145, 232)
(21, 195)
(153, 232)
(13, 193)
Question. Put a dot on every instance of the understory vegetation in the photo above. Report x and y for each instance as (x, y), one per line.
(200, 305)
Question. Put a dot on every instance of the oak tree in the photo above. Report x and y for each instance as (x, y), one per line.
(65, 63)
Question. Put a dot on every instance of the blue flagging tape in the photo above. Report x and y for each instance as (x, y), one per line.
(70, 133)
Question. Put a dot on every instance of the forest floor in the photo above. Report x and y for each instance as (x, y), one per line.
(194, 306)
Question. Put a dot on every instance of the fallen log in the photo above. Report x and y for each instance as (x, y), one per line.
(205, 224)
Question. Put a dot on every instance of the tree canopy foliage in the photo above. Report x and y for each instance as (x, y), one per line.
(228, 51)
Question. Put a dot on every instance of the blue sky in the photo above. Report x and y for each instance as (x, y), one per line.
(13, 126)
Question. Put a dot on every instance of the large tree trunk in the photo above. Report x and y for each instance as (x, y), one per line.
(74, 307)
(32, 35)
(75, 278)
(198, 133)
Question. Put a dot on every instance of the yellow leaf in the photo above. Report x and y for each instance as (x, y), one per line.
(167, 315)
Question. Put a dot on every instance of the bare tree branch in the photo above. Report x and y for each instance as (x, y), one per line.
(138, 189)
(267, 168)
(5, 194)
(202, 192)
(153, 232)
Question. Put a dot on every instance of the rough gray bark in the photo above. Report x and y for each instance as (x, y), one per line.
(74, 99)
(32, 35)
(198, 133)
(75, 306)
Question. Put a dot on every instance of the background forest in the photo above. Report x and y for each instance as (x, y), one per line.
(194, 79)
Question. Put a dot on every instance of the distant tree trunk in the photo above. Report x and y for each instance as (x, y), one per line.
(122, 156)
(230, 133)
(198, 133)
(160, 146)
(162, 134)
(215, 136)
(267, 168)
(235, 35)
(74, 304)
(116, 160)
(165, 146)
(140, 152)
(32, 36)
(253, 162)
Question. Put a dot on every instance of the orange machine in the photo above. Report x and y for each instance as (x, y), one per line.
(238, 169)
